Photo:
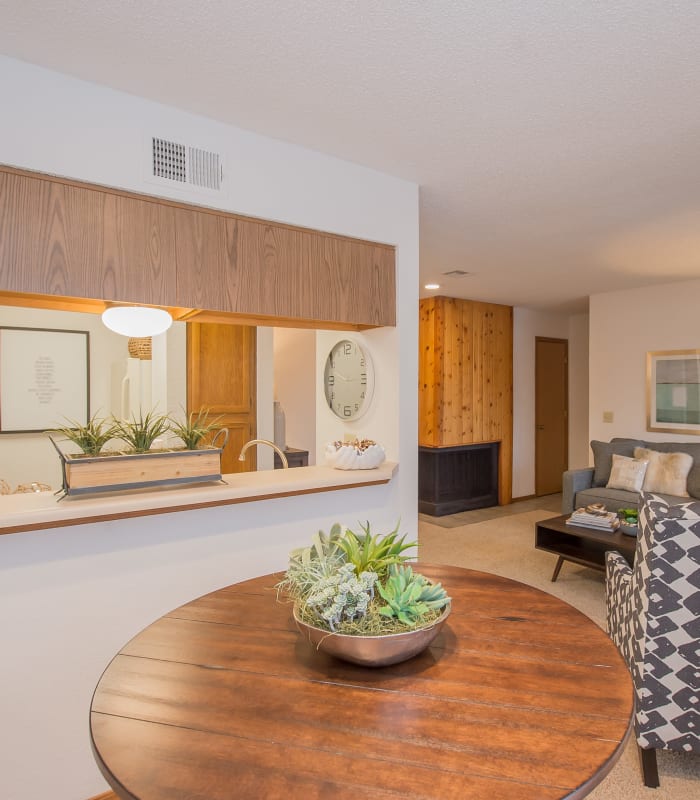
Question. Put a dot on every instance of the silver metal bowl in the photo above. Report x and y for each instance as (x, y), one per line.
(372, 651)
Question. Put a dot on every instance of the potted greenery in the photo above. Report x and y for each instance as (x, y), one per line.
(195, 428)
(91, 437)
(136, 464)
(356, 598)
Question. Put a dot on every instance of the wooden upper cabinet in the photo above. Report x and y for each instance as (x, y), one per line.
(138, 257)
(64, 238)
(74, 241)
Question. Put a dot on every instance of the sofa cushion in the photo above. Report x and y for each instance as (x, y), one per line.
(666, 472)
(603, 453)
(628, 473)
(615, 499)
(693, 449)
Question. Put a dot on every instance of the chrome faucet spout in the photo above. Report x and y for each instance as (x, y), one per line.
(283, 458)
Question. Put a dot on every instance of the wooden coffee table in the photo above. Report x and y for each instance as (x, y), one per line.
(585, 546)
(520, 696)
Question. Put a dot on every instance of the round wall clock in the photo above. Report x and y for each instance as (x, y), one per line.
(348, 379)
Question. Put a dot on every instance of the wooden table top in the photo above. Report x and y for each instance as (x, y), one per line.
(521, 697)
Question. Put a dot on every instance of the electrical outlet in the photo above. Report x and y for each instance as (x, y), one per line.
(608, 416)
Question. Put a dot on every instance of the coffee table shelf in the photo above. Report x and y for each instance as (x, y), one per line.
(584, 546)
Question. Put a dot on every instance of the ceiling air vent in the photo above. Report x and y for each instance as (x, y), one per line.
(184, 164)
(456, 273)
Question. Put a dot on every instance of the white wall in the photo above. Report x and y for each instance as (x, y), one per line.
(295, 386)
(527, 325)
(578, 391)
(70, 597)
(624, 327)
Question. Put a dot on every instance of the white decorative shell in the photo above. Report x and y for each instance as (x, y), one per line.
(348, 457)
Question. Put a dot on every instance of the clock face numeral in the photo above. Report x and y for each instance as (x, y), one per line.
(347, 379)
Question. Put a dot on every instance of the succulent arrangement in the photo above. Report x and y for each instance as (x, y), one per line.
(358, 583)
(138, 433)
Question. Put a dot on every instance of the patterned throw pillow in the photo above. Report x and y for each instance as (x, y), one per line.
(667, 473)
(627, 473)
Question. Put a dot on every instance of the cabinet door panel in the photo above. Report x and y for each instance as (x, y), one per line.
(61, 239)
(207, 253)
(138, 261)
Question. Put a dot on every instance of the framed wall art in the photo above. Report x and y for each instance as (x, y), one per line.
(673, 391)
(44, 378)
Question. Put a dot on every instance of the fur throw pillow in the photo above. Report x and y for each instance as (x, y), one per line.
(667, 473)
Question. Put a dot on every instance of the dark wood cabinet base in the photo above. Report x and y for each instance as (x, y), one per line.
(461, 478)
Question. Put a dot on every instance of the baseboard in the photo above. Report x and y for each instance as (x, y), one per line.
(105, 796)
(524, 497)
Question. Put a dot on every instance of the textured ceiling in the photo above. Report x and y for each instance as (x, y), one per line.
(555, 142)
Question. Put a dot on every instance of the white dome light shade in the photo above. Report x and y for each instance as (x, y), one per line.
(137, 320)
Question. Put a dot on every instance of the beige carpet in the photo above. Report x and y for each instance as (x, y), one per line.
(505, 546)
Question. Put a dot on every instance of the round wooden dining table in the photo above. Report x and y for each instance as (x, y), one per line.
(520, 696)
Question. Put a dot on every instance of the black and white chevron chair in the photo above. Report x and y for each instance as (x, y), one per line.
(653, 616)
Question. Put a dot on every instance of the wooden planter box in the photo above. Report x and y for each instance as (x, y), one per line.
(119, 471)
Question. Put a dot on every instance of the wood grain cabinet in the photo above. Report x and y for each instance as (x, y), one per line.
(64, 238)
(74, 241)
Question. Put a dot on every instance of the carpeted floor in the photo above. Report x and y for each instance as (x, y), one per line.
(505, 546)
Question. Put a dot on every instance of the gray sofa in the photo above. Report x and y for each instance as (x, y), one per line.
(581, 487)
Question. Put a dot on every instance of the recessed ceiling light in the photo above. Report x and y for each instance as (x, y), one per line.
(432, 286)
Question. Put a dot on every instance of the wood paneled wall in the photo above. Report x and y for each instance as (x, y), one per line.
(466, 378)
(70, 239)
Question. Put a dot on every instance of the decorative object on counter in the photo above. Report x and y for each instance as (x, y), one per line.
(359, 454)
(33, 487)
(141, 347)
(355, 597)
(280, 425)
(136, 465)
(348, 379)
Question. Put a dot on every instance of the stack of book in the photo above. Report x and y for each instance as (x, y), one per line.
(604, 521)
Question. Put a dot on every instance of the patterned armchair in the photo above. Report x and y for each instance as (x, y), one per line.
(653, 616)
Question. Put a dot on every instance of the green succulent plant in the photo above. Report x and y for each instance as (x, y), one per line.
(409, 596)
(91, 437)
(342, 596)
(194, 428)
(140, 433)
(310, 565)
(377, 553)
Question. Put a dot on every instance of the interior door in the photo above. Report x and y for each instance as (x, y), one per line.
(221, 377)
(551, 414)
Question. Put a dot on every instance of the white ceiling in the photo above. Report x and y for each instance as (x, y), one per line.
(556, 142)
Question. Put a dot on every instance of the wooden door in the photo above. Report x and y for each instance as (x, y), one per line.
(551, 414)
(221, 376)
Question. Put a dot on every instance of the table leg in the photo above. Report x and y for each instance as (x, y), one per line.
(555, 574)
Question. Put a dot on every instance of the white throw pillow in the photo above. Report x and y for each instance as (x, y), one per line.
(627, 473)
(667, 473)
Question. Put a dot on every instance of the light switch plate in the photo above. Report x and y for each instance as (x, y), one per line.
(608, 416)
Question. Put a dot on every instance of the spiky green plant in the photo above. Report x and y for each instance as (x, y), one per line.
(309, 565)
(140, 433)
(377, 553)
(194, 428)
(91, 437)
(409, 596)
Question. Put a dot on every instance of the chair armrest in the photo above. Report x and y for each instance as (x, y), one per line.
(618, 583)
(574, 480)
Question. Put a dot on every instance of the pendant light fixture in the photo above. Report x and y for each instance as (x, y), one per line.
(137, 321)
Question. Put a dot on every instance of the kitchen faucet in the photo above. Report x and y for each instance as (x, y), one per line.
(283, 458)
